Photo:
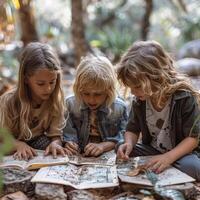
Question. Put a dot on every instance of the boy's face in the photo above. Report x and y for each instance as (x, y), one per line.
(93, 98)
(41, 84)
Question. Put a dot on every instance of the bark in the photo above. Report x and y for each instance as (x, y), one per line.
(27, 21)
(78, 28)
(146, 19)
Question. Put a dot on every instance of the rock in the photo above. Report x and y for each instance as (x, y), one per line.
(124, 196)
(17, 180)
(15, 196)
(82, 195)
(189, 66)
(105, 193)
(50, 192)
(190, 50)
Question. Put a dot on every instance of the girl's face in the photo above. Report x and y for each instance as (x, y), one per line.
(138, 92)
(93, 98)
(42, 84)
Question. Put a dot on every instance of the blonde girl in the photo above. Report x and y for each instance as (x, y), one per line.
(164, 110)
(97, 118)
(34, 111)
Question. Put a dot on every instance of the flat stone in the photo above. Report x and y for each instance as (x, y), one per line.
(125, 196)
(15, 196)
(17, 180)
(105, 193)
(82, 195)
(50, 192)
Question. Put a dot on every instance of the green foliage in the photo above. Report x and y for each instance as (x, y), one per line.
(9, 64)
(191, 28)
(114, 41)
(6, 144)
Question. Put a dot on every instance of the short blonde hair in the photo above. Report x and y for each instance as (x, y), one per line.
(96, 72)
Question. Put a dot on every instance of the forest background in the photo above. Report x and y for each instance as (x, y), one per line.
(77, 27)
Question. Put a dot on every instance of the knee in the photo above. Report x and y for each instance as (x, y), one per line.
(192, 169)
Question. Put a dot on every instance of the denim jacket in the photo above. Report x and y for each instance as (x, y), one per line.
(111, 122)
(184, 111)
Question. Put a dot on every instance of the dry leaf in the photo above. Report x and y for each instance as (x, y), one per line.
(137, 171)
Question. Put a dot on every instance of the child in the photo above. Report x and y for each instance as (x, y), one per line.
(164, 111)
(34, 111)
(97, 119)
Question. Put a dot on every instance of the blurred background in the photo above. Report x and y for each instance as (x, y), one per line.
(78, 27)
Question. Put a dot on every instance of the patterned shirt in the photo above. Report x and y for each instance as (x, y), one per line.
(158, 125)
(94, 135)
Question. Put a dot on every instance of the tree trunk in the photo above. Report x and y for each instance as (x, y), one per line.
(27, 20)
(78, 35)
(146, 19)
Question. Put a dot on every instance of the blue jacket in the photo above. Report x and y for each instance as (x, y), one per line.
(111, 122)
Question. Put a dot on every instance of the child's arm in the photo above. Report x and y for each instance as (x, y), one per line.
(125, 149)
(70, 135)
(23, 151)
(96, 149)
(118, 137)
(160, 162)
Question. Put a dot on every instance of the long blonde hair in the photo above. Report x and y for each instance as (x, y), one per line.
(16, 104)
(146, 65)
(96, 72)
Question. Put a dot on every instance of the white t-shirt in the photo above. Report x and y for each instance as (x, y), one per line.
(158, 125)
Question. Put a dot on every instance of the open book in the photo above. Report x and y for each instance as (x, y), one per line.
(107, 158)
(79, 177)
(36, 162)
(170, 176)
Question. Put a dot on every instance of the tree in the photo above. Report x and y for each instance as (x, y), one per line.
(78, 28)
(146, 19)
(27, 21)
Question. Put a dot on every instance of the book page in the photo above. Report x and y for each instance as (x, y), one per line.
(79, 177)
(36, 162)
(41, 161)
(107, 158)
(9, 161)
(170, 176)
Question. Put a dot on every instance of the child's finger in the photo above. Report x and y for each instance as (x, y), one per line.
(88, 150)
(71, 149)
(73, 145)
(94, 151)
(87, 146)
(24, 155)
(34, 152)
(97, 152)
(47, 151)
(68, 152)
(62, 152)
(121, 153)
(29, 154)
(155, 167)
(54, 153)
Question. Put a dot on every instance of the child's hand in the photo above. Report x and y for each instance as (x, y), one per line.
(24, 151)
(71, 148)
(124, 151)
(94, 149)
(55, 148)
(159, 163)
